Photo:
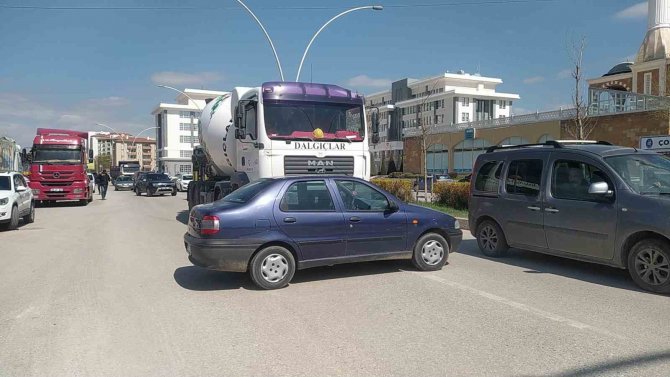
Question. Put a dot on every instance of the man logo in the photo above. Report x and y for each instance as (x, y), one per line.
(649, 143)
(320, 163)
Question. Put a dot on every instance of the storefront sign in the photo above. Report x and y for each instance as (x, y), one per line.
(470, 134)
(655, 143)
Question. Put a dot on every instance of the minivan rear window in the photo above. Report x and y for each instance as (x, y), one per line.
(488, 178)
(524, 177)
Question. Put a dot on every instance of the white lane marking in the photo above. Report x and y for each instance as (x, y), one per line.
(517, 305)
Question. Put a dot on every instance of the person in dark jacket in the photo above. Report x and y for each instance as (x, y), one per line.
(103, 180)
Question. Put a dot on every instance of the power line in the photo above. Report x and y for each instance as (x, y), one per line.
(425, 5)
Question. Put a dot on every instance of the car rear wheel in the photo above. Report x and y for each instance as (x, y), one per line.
(649, 265)
(491, 239)
(430, 252)
(30, 217)
(272, 267)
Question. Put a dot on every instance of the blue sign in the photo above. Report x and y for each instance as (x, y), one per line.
(470, 133)
(649, 143)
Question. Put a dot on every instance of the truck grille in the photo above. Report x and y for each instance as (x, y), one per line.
(44, 183)
(299, 165)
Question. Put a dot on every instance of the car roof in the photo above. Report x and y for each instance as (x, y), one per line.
(602, 150)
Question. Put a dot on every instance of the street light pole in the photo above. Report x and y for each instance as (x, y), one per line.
(267, 36)
(118, 134)
(372, 7)
(133, 145)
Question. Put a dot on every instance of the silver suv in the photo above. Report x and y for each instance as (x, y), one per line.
(590, 201)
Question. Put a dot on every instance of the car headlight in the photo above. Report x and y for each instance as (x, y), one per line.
(4, 201)
(457, 224)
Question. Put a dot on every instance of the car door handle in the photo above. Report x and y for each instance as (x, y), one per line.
(533, 208)
(289, 219)
(355, 219)
(551, 210)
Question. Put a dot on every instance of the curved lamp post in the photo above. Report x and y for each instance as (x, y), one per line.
(118, 134)
(281, 72)
(372, 7)
(139, 133)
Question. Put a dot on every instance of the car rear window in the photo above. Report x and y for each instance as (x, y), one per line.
(488, 178)
(248, 191)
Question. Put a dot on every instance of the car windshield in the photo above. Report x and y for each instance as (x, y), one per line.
(247, 192)
(57, 156)
(5, 184)
(123, 178)
(187, 178)
(157, 177)
(647, 174)
(300, 120)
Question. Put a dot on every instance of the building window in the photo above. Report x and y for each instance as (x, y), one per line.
(465, 101)
(185, 114)
(187, 126)
(465, 117)
(185, 169)
(503, 104)
(647, 83)
(187, 139)
(185, 153)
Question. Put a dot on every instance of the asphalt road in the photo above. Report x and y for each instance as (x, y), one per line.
(107, 290)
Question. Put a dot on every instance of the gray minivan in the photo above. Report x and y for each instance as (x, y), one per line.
(590, 201)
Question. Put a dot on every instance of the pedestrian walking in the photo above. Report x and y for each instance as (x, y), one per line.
(103, 180)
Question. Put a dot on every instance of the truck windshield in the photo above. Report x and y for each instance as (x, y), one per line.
(647, 174)
(57, 156)
(129, 168)
(4, 184)
(288, 120)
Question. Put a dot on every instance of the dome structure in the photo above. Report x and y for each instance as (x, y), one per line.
(619, 68)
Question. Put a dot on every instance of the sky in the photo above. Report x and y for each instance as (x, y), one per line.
(73, 68)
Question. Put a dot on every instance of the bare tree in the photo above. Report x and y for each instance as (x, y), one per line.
(581, 125)
(425, 133)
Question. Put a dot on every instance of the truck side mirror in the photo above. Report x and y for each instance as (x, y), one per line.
(90, 156)
(240, 123)
(374, 117)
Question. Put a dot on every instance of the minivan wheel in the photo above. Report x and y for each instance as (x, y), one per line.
(272, 267)
(430, 252)
(491, 239)
(649, 265)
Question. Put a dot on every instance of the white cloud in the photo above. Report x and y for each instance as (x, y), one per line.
(634, 12)
(181, 78)
(564, 74)
(364, 81)
(533, 80)
(112, 101)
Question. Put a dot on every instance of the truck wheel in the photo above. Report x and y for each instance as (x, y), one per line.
(272, 267)
(14, 220)
(649, 265)
(30, 217)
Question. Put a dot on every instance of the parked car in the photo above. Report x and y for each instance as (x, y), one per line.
(155, 184)
(123, 182)
(443, 178)
(91, 182)
(182, 180)
(16, 201)
(593, 202)
(271, 227)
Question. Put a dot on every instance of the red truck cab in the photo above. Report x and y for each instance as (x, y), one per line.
(58, 166)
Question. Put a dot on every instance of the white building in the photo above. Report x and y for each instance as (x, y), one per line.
(446, 99)
(177, 131)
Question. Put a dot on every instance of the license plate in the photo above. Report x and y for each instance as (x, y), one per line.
(56, 190)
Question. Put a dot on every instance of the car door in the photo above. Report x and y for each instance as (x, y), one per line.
(575, 221)
(308, 215)
(21, 196)
(521, 205)
(372, 227)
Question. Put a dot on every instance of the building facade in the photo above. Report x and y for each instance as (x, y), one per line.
(443, 100)
(177, 129)
(125, 147)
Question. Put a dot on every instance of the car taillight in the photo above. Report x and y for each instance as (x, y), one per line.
(209, 225)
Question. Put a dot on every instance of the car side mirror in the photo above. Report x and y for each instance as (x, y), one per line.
(393, 206)
(601, 188)
(20, 188)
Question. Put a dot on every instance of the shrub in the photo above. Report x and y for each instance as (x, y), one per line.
(401, 188)
(452, 194)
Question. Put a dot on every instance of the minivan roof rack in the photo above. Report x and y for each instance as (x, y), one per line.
(548, 143)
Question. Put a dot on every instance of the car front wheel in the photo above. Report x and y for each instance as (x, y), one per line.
(491, 239)
(272, 267)
(649, 265)
(430, 252)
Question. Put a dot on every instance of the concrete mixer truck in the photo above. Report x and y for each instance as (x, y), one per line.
(279, 129)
